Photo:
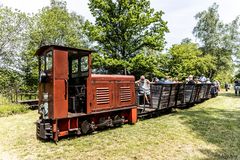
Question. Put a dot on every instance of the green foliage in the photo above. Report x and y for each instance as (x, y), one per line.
(146, 65)
(9, 81)
(224, 77)
(14, 25)
(7, 108)
(124, 27)
(55, 25)
(218, 39)
(237, 75)
(207, 28)
(52, 25)
(186, 59)
(128, 35)
(22, 34)
(29, 67)
(10, 109)
(108, 65)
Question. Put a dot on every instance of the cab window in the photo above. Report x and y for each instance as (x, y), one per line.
(42, 63)
(49, 60)
(84, 64)
(75, 66)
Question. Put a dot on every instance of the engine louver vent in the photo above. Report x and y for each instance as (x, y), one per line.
(103, 96)
(125, 94)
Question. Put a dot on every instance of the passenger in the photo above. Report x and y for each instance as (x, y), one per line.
(161, 80)
(144, 88)
(196, 79)
(202, 79)
(175, 80)
(237, 87)
(155, 80)
(226, 86)
(168, 80)
(214, 90)
(208, 81)
(190, 80)
(218, 85)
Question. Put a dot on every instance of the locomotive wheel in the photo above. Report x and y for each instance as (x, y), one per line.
(85, 127)
(118, 121)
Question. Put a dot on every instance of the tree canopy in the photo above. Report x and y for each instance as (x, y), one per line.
(186, 59)
(124, 27)
(22, 34)
(52, 25)
(14, 25)
(217, 39)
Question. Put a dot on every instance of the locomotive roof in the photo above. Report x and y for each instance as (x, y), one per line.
(47, 47)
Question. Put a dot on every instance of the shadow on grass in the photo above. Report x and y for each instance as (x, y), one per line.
(218, 127)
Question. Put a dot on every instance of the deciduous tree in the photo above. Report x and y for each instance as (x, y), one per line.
(52, 25)
(217, 39)
(124, 27)
(186, 59)
(13, 27)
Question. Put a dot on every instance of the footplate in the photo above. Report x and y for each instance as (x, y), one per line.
(44, 130)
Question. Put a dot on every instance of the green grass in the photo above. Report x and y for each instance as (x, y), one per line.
(7, 108)
(210, 130)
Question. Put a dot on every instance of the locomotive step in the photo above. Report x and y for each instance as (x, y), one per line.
(73, 129)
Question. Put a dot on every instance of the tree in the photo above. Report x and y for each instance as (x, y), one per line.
(14, 25)
(52, 25)
(218, 39)
(147, 65)
(186, 59)
(124, 27)
(10, 81)
(186, 40)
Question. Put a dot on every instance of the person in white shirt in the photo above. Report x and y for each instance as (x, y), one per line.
(202, 79)
(144, 87)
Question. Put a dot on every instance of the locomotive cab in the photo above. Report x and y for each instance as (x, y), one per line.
(77, 81)
(63, 74)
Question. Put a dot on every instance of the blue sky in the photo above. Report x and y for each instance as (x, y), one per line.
(178, 13)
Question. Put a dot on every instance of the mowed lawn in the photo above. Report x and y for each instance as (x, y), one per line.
(210, 130)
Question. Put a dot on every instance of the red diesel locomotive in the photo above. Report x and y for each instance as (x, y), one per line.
(72, 100)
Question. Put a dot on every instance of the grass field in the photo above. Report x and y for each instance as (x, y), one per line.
(210, 130)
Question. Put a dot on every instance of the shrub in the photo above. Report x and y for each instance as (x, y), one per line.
(10, 109)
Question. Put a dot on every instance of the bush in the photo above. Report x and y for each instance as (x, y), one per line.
(10, 109)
